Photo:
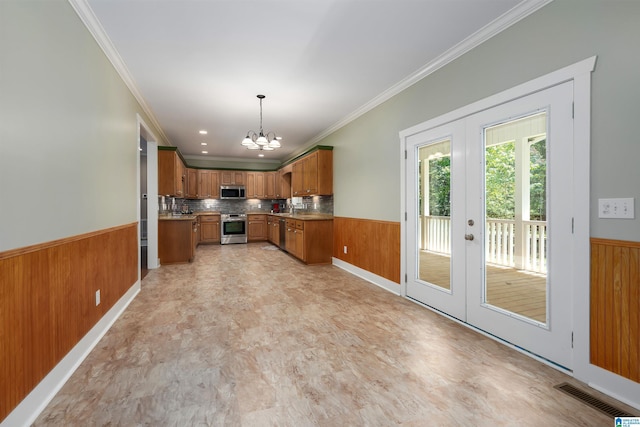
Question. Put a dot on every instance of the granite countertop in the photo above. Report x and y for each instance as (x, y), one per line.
(305, 216)
(206, 213)
(171, 217)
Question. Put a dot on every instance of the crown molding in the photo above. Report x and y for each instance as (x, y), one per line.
(509, 18)
(89, 19)
(230, 159)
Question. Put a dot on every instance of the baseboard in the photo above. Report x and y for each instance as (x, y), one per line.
(30, 408)
(382, 282)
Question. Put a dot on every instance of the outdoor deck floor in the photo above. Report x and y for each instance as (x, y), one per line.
(514, 290)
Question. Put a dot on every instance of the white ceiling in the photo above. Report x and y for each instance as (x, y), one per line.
(199, 64)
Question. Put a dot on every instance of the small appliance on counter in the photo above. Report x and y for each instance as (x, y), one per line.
(275, 208)
(185, 209)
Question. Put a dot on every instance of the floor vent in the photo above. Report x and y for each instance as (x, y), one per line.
(592, 401)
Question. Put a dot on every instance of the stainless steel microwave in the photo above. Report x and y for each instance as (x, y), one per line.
(232, 192)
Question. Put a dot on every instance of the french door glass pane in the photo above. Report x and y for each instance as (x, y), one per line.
(434, 205)
(516, 217)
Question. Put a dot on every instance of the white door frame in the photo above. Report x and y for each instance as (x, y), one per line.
(152, 191)
(621, 388)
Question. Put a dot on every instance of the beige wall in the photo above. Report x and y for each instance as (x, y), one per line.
(367, 151)
(68, 132)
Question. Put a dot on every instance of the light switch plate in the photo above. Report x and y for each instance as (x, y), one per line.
(616, 208)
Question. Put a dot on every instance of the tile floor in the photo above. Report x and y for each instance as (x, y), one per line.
(248, 336)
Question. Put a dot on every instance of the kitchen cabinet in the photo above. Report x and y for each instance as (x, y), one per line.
(208, 184)
(312, 175)
(261, 185)
(290, 237)
(283, 183)
(270, 185)
(209, 228)
(297, 175)
(191, 191)
(295, 244)
(171, 173)
(256, 227)
(299, 236)
(232, 178)
(177, 239)
(311, 241)
(273, 229)
(255, 185)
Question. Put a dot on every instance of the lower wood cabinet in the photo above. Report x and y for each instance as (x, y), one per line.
(177, 240)
(311, 241)
(273, 230)
(209, 228)
(256, 227)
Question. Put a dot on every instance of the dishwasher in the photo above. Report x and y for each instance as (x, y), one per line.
(283, 233)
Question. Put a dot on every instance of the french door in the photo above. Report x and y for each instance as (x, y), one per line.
(489, 230)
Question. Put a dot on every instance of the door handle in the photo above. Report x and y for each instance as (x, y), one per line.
(468, 237)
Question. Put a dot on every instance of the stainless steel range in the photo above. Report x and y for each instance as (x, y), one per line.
(233, 228)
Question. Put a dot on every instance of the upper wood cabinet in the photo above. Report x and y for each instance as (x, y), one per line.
(208, 184)
(255, 185)
(261, 185)
(232, 178)
(270, 185)
(312, 175)
(283, 184)
(191, 191)
(171, 174)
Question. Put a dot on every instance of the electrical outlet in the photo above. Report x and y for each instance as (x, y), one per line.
(345, 249)
(98, 297)
(616, 208)
(259, 205)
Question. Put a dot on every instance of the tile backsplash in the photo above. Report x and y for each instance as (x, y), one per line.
(311, 204)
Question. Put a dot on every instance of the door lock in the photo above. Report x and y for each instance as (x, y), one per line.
(468, 237)
(470, 222)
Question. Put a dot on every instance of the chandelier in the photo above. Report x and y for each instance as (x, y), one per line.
(261, 141)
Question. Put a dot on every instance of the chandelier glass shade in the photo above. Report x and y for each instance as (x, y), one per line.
(266, 141)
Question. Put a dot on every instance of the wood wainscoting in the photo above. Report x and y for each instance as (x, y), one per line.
(48, 301)
(615, 307)
(371, 245)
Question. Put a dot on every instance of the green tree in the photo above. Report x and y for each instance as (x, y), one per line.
(538, 181)
(440, 186)
(500, 181)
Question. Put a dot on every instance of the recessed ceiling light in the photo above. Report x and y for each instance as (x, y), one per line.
(203, 132)
(203, 143)
(205, 152)
(260, 155)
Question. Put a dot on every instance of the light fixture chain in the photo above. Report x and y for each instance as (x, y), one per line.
(260, 115)
(255, 141)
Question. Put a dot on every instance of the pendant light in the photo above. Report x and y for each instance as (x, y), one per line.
(261, 140)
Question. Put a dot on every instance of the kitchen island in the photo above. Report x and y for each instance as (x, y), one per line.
(307, 236)
(177, 238)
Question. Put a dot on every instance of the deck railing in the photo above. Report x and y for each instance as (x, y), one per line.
(504, 246)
